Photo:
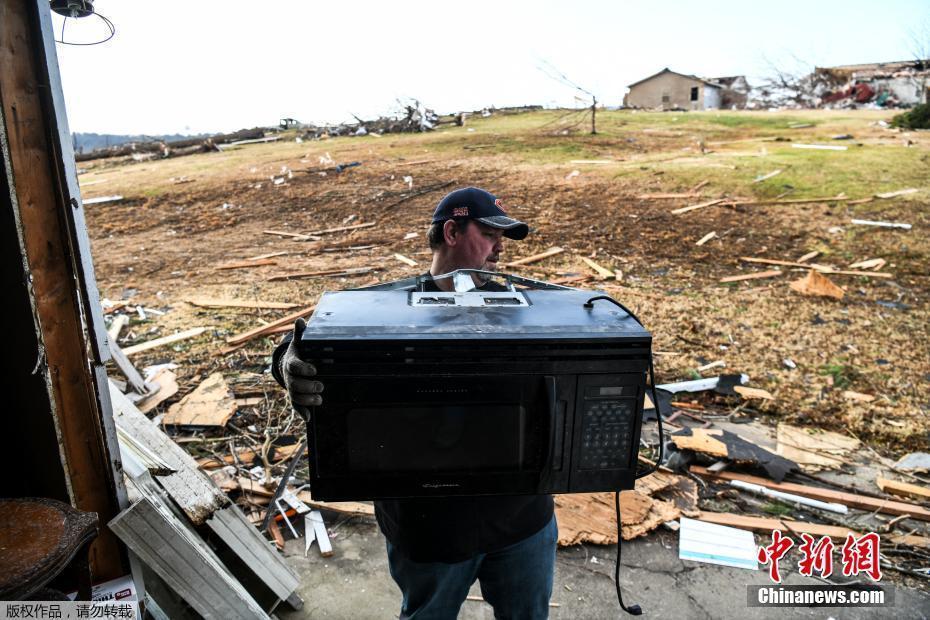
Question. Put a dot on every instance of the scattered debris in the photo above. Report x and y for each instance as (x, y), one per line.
(788, 497)
(709, 203)
(721, 444)
(750, 392)
(766, 177)
(818, 285)
(602, 272)
(101, 199)
(286, 323)
(809, 256)
(872, 263)
(706, 238)
(534, 258)
(858, 396)
(821, 147)
(773, 273)
(246, 264)
(900, 192)
(405, 260)
(327, 273)
(882, 224)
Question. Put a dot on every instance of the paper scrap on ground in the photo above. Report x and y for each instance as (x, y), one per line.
(716, 544)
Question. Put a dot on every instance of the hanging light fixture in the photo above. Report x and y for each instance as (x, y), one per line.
(77, 9)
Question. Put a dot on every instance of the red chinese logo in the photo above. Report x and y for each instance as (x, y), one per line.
(774, 552)
(861, 556)
(817, 556)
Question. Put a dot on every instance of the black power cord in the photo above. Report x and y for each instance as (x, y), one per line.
(634, 610)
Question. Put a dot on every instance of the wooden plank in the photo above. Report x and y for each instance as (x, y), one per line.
(167, 385)
(177, 554)
(535, 257)
(862, 502)
(666, 196)
(246, 264)
(160, 342)
(276, 534)
(266, 329)
(210, 404)
(809, 256)
(329, 273)
(602, 272)
(882, 224)
(206, 302)
(327, 231)
(129, 371)
(190, 488)
(298, 236)
(706, 238)
(709, 203)
(101, 200)
(405, 260)
(752, 276)
(234, 529)
(766, 177)
(38, 167)
(749, 392)
(904, 489)
(322, 536)
(119, 322)
(352, 508)
(820, 268)
(269, 255)
(765, 525)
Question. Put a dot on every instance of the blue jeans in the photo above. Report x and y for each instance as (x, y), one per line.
(516, 580)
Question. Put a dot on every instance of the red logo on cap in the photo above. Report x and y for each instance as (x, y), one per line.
(460, 212)
(499, 205)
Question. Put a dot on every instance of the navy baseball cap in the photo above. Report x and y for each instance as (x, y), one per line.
(482, 206)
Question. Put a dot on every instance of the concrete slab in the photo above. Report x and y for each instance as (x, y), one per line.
(355, 584)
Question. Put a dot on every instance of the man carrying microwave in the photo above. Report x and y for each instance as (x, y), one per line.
(438, 547)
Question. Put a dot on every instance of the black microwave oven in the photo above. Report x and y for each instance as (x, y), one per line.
(473, 393)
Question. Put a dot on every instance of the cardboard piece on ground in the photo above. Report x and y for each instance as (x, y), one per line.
(167, 387)
(904, 489)
(813, 449)
(591, 517)
(700, 541)
(719, 443)
(818, 285)
(210, 404)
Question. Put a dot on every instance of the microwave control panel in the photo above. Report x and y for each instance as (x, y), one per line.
(606, 429)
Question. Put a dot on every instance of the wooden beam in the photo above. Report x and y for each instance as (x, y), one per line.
(814, 266)
(36, 144)
(603, 272)
(160, 342)
(752, 276)
(327, 231)
(207, 302)
(852, 500)
(903, 489)
(709, 203)
(765, 525)
(535, 257)
(266, 329)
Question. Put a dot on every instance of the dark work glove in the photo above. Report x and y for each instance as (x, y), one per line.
(303, 391)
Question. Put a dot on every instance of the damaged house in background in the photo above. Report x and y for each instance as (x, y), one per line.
(670, 90)
(899, 84)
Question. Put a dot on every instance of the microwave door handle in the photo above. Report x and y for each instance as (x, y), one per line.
(553, 407)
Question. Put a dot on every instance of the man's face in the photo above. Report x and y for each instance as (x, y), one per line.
(477, 247)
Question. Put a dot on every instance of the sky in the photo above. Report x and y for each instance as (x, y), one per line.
(206, 66)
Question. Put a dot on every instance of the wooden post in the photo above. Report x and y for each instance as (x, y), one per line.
(48, 225)
(593, 112)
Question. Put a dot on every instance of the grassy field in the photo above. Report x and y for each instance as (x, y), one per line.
(181, 218)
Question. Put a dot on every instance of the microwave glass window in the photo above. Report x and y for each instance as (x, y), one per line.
(485, 437)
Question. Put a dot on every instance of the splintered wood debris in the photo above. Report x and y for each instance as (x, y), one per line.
(812, 448)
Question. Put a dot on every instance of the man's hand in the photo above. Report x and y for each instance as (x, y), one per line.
(303, 391)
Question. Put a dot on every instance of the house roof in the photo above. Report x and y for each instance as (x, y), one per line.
(895, 65)
(684, 75)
